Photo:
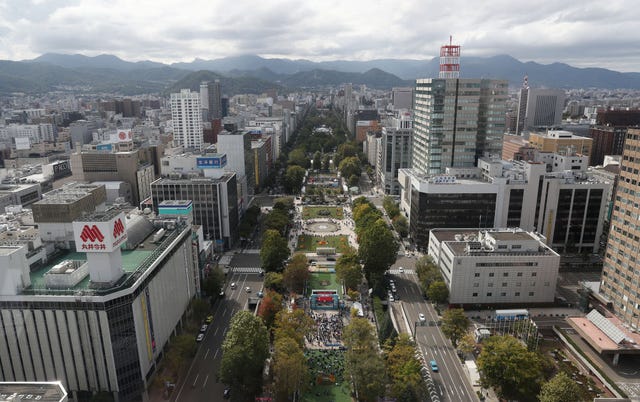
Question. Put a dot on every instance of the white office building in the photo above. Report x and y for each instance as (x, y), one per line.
(501, 266)
(394, 152)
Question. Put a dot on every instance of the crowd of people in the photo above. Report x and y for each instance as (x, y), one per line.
(327, 363)
(328, 329)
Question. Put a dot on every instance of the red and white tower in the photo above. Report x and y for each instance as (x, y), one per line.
(449, 60)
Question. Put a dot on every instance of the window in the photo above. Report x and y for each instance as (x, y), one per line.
(490, 284)
(519, 274)
(477, 274)
(531, 293)
(518, 284)
(505, 274)
(504, 284)
(476, 285)
(489, 294)
(517, 294)
(533, 283)
(534, 274)
(491, 274)
(474, 295)
(503, 294)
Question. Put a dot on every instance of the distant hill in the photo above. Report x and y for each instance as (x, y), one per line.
(255, 74)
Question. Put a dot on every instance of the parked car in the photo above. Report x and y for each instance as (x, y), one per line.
(247, 289)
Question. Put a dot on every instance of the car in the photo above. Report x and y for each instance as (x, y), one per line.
(260, 293)
(422, 317)
(209, 319)
(247, 289)
(203, 328)
(401, 270)
(434, 366)
(199, 338)
(233, 285)
(226, 394)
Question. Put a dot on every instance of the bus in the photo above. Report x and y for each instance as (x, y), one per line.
(512, 315)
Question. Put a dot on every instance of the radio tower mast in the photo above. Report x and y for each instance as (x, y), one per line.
(449, 60)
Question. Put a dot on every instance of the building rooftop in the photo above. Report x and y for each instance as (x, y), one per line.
(511, 235)
(36, 391)
(134, 263)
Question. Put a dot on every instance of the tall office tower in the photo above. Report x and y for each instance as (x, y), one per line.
(449, 60)
(187, 120)
(211, 99)
(620, 281)
(394, 152)
(522, 105)
(456, 121)
(539, 108)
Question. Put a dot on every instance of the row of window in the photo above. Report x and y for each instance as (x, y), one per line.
(505, 284)
(504, 264)
(503, 294)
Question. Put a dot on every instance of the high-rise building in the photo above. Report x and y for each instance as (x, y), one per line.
(187, 119)
(620, 281)
(539, 108)
(456, 121)
(402, 98)
(607, 140)
(394, 152)
(211, 99)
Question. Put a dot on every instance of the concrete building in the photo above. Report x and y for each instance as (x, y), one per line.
(517, 148)
(539, 108)
(259, 150)
(498, 266)
(620, 283)
(97, 318)
(33, 391)
(394, 152)
(606, 141)
(554, 195)
(187, 119)
(127, 166)
(211, 99)
(19, 194)
(214, 204)
(562, 142)
(237, 147)
(456, 121)
(402, 98)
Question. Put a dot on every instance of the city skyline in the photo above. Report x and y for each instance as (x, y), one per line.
(169, 31)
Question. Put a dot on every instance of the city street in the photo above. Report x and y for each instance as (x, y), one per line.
(201, 382)
(452, 382)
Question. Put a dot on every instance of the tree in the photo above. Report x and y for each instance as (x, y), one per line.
(270, 305)
(298, 157)
(378, 250)
(273, 281)
(326, 162)
(284, 204)
(427, 272)
(181, 348)
(212, 284)
(317, 161)
(293, 179)
(560, 388)
(390, 206)
(200, 309)
(455, 324)
(401, 225)
(353, 180)
(349, 167)
(244, 351)
(277, 220)
(467, 344)
(295, 324)
(296, 274)
(290, 369)
(510, 369)
(363, 362)
(274, 251)
(404, 370)
(438, 292)
(349, 271)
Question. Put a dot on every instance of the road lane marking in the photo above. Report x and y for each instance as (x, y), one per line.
(205, 381)
(196, 380)
(216, 331)
(207, 354)
(216, 354)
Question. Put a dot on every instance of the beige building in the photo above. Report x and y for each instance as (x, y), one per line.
(561, 142)
(620, 281)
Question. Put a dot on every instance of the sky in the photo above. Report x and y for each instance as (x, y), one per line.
(584, 33)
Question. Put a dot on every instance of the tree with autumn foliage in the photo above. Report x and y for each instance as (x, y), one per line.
(270, 306)
(296, 274)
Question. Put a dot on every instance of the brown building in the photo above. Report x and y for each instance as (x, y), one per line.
(624, 118)
(366, 126)
(68, 203)
(561, 142)
(620, 282)
(516, 148)
(607, 140)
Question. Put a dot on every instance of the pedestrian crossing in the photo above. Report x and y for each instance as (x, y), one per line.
(406, 271)
(245, 270)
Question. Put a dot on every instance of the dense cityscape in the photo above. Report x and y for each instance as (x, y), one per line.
(188, 235)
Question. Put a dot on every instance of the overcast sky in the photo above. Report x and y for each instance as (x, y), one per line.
(582, 33)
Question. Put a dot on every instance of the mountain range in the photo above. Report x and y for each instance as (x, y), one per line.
(250, 73)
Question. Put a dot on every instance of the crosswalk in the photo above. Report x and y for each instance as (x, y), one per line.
(245, 270)
(406, 271)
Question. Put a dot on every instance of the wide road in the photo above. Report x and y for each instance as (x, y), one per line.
(451, 380)
(200, 383)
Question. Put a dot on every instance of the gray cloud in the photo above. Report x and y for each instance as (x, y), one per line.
(585, 34)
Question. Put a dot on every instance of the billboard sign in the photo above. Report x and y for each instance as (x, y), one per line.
(444, 179)
(125, 135)
(100, 236)
(104, 147)
(212, 162)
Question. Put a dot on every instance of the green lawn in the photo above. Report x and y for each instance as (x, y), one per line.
(308, 243)
(315, 212)
(323, 280)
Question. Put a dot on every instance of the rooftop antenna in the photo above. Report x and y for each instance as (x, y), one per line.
(449, 60)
